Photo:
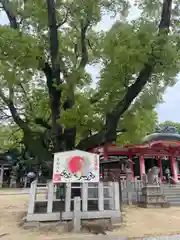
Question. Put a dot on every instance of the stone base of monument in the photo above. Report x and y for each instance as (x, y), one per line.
(152, 197)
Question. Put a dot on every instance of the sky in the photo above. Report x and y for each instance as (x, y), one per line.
(169, 109)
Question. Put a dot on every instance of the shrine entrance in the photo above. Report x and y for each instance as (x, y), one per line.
(158, 149)
(161, 150)
(149, 163)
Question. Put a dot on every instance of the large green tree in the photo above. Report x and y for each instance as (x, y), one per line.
(44, 52)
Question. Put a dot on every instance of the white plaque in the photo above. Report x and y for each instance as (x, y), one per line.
(75, 166)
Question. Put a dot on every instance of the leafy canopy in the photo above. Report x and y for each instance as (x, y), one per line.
(121, 52)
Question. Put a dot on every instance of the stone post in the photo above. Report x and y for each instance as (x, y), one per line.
(84, 196)
(77, 214)
(129, 186)
(68, 197)
(111, 195)
(25, 182)
(1, 176)
(50, 197)
(32, 197)
(116, 196)
(100, 196)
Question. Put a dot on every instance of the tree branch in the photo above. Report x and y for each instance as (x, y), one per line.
(13, 111)
(12, 18)
(109, 134)
(83, 62)
(84, 52)
(65, 19)
(25, 94)
(42, 123)
(4, 116)
(46, 68)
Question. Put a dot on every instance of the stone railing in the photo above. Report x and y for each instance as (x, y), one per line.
(97, 200)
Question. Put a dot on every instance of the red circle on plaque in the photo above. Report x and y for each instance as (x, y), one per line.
(75, 164)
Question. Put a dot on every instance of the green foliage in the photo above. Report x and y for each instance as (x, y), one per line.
(83, 115)
(121, 52)
(20, 49)
(10, 137)
(37, 106)
(138, 124)
(125, 51)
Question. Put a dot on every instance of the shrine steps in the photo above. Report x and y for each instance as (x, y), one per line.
(172, 194)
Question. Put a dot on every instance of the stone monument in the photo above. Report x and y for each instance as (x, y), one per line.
(152, 195)
(13, 177)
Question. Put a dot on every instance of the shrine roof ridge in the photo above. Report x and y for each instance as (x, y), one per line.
(163, 136)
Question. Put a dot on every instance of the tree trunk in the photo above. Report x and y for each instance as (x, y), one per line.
(53, 77)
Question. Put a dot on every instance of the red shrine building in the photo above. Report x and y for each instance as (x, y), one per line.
(158, 149)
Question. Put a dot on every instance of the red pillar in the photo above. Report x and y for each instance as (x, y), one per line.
(142, 165)
(160, 167)
(105, 152)
(173, 168)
